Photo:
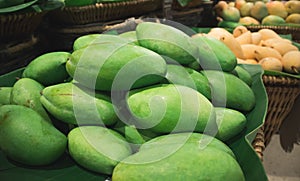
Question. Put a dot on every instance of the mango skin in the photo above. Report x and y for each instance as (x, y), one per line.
(5, 93)
(26, 92)
(177, 74)
(77, 105)
(86, 40)
(172, 108)
(27, 138)
(99, 66)
(180, 139)
(163, 163)
(130, 36)
(97, 148)
(167, 41)
(214, 54)
(243, 74)
(48, 68)
(229, 91)
(230, 123)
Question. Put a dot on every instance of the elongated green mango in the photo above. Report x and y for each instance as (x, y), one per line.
(48, 69)
(76, 105)
(97, 148)
(116, 66)
(172, 108)
(27, 138)
(87, 40)
(177, 74)
(230, 123)
(179, 139)
(229, 91)
(5, 93)
(27, 92)
(192, 162)
(243, 74)
(131, 36)
(167, 40)
(214, 54)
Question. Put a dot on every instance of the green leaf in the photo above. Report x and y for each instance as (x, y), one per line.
(17, 7)
(183, 2)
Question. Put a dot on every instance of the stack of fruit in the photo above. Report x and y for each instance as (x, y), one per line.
(285, 13)
(264, 47)
(134, 105)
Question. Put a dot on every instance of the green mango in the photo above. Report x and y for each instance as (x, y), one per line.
(5, 93)
(229, 91)
(167, 40)
(27, 92)
(124, 66)
(97, 148)
(71, 3)
(78, 105)
(188, 162)
(243, 74)
(27, 138)
(48, 68)
(131, 36)
(177, 74)
(86, 40)
(214, 54)
(230, 123)
(179, 139)
(9, 3)
(172, 108)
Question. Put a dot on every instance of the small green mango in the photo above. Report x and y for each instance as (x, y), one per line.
(167, 40)
(48, 69)
(172, 108)
(78, 105)
(192, 162)
(97, 148)
(177, 74)
(27, 92)
(5, 93)
(214, 54)
(86, 40)
(27, 138)
(229, 91)
(116, 66)
(180, 139)
(230, 123)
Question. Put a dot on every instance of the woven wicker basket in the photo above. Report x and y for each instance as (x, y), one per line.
(258, 143)
(103, 12)
(282, 92)
(293, 31)
(18, 25)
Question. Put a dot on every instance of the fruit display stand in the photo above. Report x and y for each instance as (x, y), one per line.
(65, 25)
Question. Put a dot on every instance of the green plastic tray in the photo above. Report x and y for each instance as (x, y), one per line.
(66, 169)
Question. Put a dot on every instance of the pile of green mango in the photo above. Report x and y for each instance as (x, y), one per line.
(153, 103)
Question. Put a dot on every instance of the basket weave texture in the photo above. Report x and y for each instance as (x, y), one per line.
(17, 25)
(102, 12)
(282, 92)
(258, 143)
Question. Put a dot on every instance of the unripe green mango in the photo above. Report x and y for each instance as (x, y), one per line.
(214, 54)
(167, 40)
(100, 66)
(131, 36)
(27, 92)
(27, 138)
(230, 123)
(48, 68)
(243, 74)
(177, 74)
(86, 40)
(180, 139)
(77, 105)
(172, 108)
(97, 148)
(5, 93)
(189, 162)
(229, 91)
